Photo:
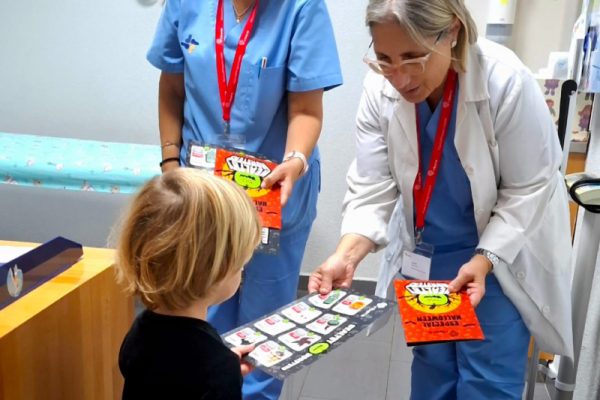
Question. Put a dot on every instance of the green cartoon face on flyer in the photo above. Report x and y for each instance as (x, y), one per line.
(247, 180)
(433, 299)
(246, 173)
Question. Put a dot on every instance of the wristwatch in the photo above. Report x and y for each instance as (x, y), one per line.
(492, 258)
(298, 155)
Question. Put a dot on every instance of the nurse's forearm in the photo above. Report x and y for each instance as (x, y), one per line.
(171, 96)
(305, 118)
(353, 248)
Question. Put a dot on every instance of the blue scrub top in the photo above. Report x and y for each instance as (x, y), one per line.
(294, 36)
(450, 222)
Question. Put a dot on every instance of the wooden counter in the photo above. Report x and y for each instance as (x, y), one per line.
(61, 341)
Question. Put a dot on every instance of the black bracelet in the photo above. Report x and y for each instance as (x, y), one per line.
(166, 160)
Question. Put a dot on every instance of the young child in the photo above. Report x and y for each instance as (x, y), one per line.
(182, 249)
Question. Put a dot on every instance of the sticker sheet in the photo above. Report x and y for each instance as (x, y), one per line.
(245, 337)
(300, 333)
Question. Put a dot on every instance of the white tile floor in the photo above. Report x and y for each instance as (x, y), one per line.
(375, 367)
(365, 368)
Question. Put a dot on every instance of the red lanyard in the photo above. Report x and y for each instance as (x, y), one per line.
(227, 89)
(422, 194)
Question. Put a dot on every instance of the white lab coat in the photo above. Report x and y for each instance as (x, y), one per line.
(509, 149)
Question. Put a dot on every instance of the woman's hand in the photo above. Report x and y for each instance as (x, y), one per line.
(472, 275)
(333, 273)
(339, 268)
(285, 174)
(241, 351)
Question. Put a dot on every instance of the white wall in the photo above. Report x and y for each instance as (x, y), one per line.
(479, 12)
(541, 26)
(77, 69)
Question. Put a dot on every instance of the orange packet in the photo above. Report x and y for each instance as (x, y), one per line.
(248, 171)
(431, 314)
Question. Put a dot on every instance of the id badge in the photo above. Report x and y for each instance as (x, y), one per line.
(416, 264)
(232, 141)
(227, 139)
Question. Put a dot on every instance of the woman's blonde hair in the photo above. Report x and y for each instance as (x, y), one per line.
(185, 231)
(424, 19)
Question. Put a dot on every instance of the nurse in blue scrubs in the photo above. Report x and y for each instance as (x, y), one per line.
(278, 57)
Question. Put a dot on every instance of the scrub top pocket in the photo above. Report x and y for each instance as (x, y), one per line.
(267, 96)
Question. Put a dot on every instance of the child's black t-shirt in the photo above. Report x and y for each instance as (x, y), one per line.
(166, 357)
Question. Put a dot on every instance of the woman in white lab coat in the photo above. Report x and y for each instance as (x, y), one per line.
(454, 131)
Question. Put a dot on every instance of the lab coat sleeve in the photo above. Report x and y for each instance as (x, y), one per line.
(313, 62)
(372, 192)
(529, 158)
(165, 53)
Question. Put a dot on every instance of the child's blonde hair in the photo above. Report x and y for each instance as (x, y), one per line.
(186, 230)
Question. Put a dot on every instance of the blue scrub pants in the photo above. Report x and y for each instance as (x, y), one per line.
(492, 369)
(270, 282)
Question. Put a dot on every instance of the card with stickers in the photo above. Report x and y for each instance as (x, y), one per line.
(352, 304)
(297, 334)
(246, 336)
(326, 323)
(326, 301)
(274, 324)
(299, 339)
(301, 312)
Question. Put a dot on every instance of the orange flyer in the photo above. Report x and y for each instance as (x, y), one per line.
(247, 170)
(431, 314)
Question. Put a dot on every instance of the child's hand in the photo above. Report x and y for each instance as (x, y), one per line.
(472, 275)
(241, 352)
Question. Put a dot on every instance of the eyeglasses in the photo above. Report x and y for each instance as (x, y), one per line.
(411, 66)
